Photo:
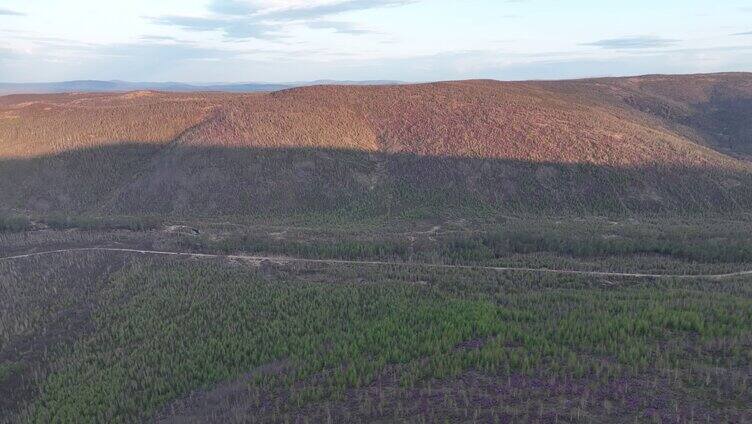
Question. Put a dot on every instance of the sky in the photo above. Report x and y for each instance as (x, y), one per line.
(405, 40)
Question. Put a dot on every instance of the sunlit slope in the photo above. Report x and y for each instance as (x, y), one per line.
(34, 125)
(479, 119)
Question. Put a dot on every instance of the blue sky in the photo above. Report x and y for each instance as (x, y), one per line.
(408, 40)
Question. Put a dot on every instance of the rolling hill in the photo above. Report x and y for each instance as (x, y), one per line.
(714, 109)
(652, 144)
(94, 86)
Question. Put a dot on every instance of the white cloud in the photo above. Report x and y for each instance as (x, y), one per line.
(278, 40)
(10, 12)
(634, 42)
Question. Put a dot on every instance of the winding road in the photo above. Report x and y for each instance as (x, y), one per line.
(285, 259)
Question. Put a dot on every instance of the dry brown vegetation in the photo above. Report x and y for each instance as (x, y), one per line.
(607, 145)
(713, 109)
(479, 119)
(33, 125)
(562, 122)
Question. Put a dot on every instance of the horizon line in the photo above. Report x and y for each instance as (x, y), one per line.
(386, 81)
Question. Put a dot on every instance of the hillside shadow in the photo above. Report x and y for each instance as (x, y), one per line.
(726, 121)
(203, 181)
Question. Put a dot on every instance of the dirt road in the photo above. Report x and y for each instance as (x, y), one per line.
(285, 259)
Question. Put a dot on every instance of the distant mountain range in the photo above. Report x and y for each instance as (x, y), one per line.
(91, 86)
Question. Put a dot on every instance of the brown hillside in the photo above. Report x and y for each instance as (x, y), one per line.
(481, 119)
(523, 121)
(633, 144)
(33, 125)
(714, 109)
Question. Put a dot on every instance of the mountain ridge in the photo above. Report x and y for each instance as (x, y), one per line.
(585, 146)
(115, 86)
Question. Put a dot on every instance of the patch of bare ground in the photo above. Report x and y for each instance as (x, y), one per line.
(223, 403)
(473, 396)
(137, 94)
(470, 397)
(41, 319)
(43, 240)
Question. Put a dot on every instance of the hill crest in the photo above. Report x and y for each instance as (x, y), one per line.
(492, 143)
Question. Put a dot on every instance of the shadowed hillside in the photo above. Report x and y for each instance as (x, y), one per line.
(202, 181)
(714, 109)
(625, 146)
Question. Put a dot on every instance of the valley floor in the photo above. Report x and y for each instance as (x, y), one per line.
(414, 322)
(285, 260)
